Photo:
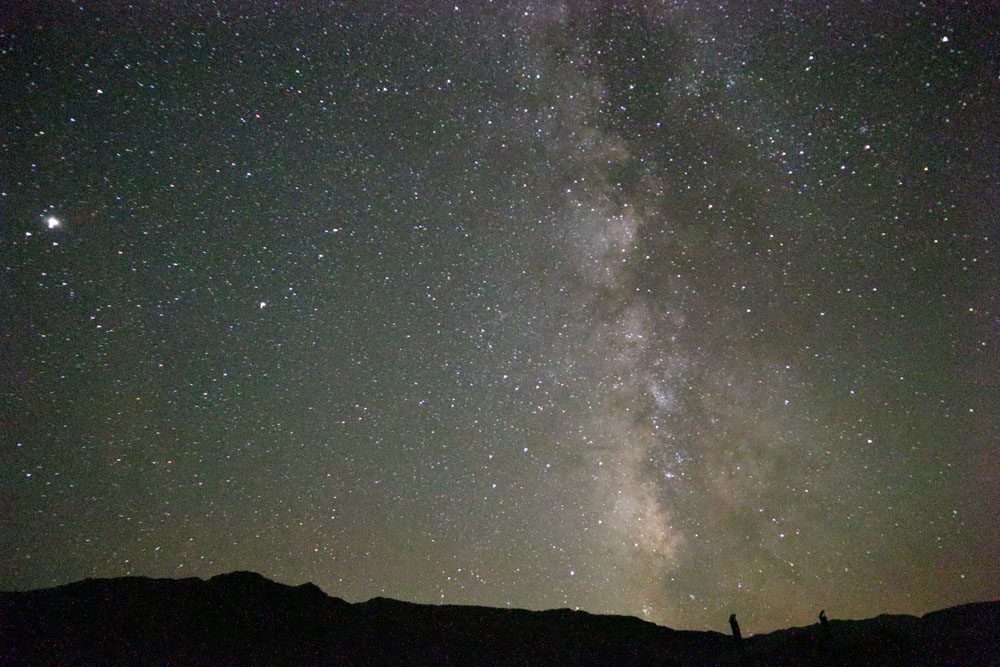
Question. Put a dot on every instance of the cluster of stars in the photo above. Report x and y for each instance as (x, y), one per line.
(666, 310)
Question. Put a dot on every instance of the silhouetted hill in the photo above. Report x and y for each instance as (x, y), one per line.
(244, 619)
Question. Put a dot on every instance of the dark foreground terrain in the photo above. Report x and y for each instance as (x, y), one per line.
(244, 619)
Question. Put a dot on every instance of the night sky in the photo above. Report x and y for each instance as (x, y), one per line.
(671, 309)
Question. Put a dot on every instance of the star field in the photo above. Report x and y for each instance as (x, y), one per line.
(671, 309)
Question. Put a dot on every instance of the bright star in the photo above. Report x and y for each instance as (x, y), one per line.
(52, 222)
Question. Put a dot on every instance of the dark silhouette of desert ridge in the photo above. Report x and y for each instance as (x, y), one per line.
(244, 619)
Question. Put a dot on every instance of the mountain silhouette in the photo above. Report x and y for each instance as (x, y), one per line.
(243, 618)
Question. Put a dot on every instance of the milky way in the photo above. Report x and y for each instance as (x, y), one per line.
(669, 309)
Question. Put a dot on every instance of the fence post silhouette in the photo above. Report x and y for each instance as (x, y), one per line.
(825, 634)
(738, 643)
